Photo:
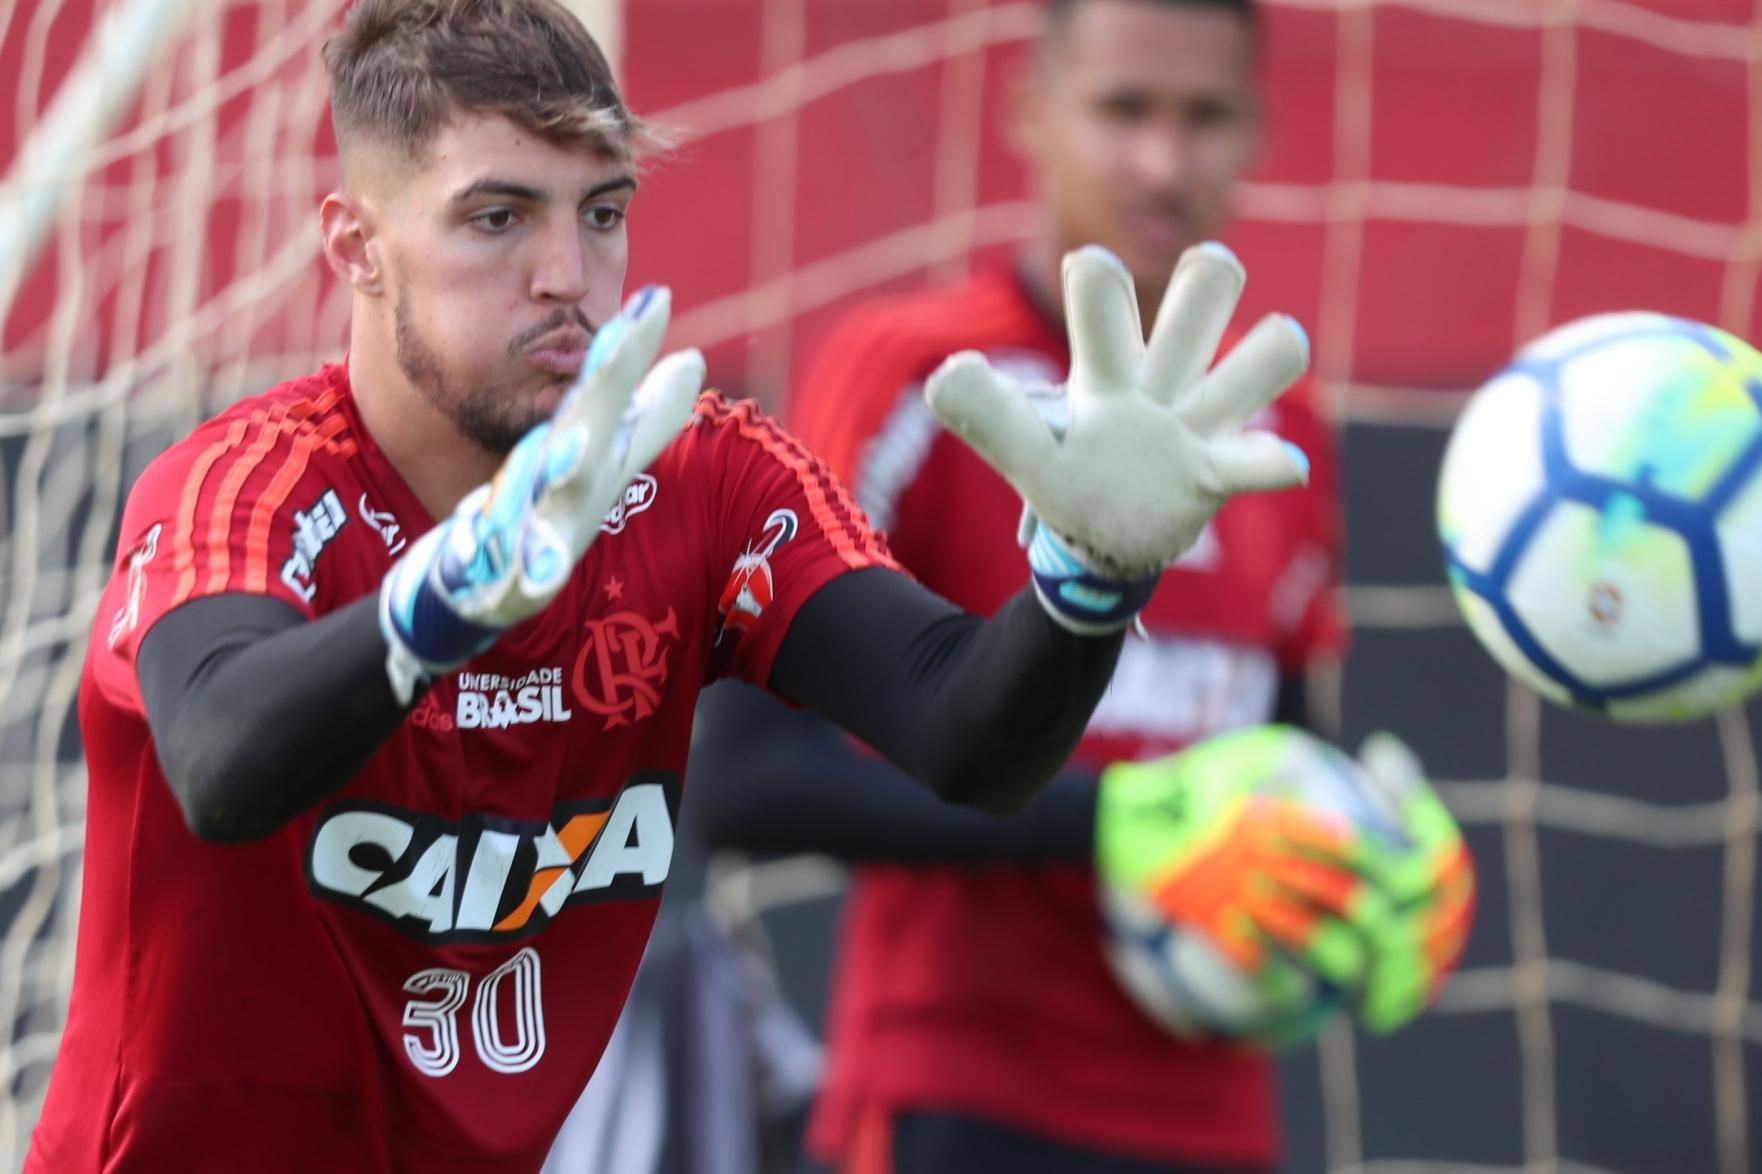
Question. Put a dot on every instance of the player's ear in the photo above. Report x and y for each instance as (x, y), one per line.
(350, 249)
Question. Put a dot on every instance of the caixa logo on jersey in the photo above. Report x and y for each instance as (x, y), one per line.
(485, 878)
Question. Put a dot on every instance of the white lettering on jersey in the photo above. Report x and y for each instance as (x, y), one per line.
(891, 461)
(1307, 575)
(489, 701)
(637, 840)
(426, 893)
(128, 616)
(314, 527)
(639, 495)
(1184, 690)
(385, 523)
(487, 878)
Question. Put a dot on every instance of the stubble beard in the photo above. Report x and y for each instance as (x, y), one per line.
(490, 418)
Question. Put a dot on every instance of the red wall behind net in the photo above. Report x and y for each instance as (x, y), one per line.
(1454, 103)
(43, 41)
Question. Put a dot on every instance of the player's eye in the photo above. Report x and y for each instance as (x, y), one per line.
(1125, 107)
(1205, 115)
(605, 217)
(494, 220)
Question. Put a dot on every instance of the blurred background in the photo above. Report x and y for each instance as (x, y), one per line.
(1445, 179)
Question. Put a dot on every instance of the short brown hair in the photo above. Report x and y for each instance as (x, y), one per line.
(401, 69)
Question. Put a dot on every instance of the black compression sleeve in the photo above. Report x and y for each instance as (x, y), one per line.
(983, 711)
(770, 779)
(773, 780)
(257, 713)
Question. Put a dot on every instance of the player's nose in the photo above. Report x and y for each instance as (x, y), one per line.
(1161, 158)
(564, 271)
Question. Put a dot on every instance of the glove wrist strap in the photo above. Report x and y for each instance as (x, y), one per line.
(423, 635)
(1078, 597)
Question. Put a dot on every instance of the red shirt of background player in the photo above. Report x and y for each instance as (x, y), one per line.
(984, 990)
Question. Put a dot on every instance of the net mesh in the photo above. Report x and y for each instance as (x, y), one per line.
(1445, 178)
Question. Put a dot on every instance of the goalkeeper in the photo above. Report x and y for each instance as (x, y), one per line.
(390, 694)
(974, 1024)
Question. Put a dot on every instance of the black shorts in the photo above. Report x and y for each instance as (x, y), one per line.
(928, 1141)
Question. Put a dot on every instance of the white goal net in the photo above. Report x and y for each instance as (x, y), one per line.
(1445, 179)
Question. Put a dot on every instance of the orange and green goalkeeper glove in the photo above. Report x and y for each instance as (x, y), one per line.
(1278, 848)
(1221, 837)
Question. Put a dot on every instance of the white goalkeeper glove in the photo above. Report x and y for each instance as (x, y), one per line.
(511, 544)
(1153, 445)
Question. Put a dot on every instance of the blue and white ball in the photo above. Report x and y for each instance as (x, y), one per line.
(1600, 508)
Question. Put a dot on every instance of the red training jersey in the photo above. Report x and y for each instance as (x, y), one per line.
(421, 973)
(984, 989)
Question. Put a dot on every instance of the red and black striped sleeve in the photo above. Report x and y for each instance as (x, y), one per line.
(784, 526)
(242, 506)
(224, 627)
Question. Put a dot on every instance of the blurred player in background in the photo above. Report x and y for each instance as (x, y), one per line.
(389, 695)
(974, 1024)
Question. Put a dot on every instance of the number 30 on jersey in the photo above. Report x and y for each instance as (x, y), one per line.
(507, 1044)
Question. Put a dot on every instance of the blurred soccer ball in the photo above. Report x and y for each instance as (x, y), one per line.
(1600, 508)
(1183, 980)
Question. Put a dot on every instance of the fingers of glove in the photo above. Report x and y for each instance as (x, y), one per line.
(1209, 892)
(491, 516)
(1388, 1007)
(1101, 310)
(1330, 889)
(1311, 857)
(471, 556)
(575, 502)
(1397, 988)
(1328, 946)
(1430, 826)
(546, 560)
(663, 403)
(518, 481)
(1412, 956)
(1451, 914)
(1390, 764)
(1389, 875)
(1303, 829)
(1053, 402)
(623, 350)
(1235, 935)
(1252, 462)
(987, 411)
(1191, 321)
(1396, 772)
(1247, 379)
